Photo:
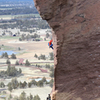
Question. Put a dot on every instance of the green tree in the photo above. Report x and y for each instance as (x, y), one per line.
(23, 37)
(51, 56)
(47, 35)
(42, 57)
(20, 71)
(44, 79)
(44, 39)
(17, 62)
(31, 97)
(52, 69)
(18, 33)
(39, 66)
(22, 96)
(33, 82)
(6, 55)
(29, 84)
(27, 63)
(19, 48)
(20, 85)
(35, 36)
(36, 97)
(30, 31)
(8, 70)
(51, 83)
(2, 56)
(28, 37)
(11, 71)
(3, 33)
(14, 83)
(28, 98)
(8, 62)
(10, 87)
(10, 33)
(52, 72)
(40, 83)
(2, 85)
(47, 65)
(38, 58)
(20, 39)
(36, 55)
(25, 84)
(13, 56)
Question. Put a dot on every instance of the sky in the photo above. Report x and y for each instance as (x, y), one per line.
(16, 1)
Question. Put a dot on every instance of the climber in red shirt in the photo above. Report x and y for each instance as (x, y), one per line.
(50, 44)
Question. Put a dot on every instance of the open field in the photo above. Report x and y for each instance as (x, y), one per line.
(30, 47)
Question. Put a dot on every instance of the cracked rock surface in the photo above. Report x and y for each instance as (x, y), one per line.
(76, 38)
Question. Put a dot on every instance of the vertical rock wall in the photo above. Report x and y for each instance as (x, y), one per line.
(76, 35)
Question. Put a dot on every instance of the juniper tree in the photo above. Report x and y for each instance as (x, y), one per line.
(27, 63)
(13, 56)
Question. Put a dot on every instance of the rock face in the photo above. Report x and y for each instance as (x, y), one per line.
(76, 38)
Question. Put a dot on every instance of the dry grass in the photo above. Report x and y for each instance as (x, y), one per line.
(31, 48)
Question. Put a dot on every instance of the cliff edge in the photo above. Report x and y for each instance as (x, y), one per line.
(76, 38)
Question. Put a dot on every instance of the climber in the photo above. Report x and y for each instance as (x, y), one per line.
(49, 97)
(50, 44)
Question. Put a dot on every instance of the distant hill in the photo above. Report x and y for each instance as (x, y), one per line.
(15, 7)
(15, 1)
